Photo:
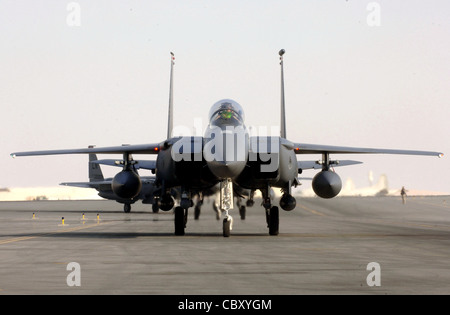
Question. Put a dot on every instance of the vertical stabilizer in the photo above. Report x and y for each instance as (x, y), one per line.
(283, 111)
(170, 119)
(95, 172)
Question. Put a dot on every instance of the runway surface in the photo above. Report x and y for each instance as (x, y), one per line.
(324, 247)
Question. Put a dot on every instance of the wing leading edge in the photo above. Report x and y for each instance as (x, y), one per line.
(304, 148)
(299, 148)
(152, 148)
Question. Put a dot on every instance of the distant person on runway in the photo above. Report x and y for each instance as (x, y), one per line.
(403, 193)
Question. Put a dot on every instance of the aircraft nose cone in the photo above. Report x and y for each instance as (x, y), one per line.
(227, 157)
(226, 169)
(226, 150)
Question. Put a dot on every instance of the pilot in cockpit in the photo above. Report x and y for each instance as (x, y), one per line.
(226, 113)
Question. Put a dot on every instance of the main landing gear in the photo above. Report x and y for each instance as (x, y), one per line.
(181, 213)
(242, 209)
(272, 213)
(180, 220)
(226, 204)
(273, 220)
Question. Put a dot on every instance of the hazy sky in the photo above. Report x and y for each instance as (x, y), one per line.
(357, 73)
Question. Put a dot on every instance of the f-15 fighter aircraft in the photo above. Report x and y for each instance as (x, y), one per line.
(103, 185)
(228, 156)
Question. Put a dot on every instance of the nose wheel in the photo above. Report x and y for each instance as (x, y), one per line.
(227, 225)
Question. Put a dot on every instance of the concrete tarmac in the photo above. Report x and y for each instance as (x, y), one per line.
(324, 247)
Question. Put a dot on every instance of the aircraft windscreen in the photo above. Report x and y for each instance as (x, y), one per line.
(226, 112)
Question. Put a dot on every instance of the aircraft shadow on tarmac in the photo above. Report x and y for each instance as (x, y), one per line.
(125, 235)
(134, 235)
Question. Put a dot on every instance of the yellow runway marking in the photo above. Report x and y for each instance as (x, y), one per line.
(312, 211)
(25, 238)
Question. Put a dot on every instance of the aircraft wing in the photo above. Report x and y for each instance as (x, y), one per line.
(304, 148)
(152, 148)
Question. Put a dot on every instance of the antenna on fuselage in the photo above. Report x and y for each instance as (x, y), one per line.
(170, 119)
(283, 111)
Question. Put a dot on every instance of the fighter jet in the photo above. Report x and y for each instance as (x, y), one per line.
(227, 155)
(103, 185)
(148, 191)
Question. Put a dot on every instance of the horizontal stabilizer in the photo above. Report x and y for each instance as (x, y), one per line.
(97, 184)
(87, 184)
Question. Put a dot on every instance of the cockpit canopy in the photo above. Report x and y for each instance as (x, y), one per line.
(226, 112)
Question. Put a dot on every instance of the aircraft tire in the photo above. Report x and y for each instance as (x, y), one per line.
(242, 211)
(274, 221)
(179, 221)
(226, 227)
(197, 211)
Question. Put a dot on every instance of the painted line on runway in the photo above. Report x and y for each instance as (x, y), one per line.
(446, 206)
(312, 211)
(33, 236)
(411, 224)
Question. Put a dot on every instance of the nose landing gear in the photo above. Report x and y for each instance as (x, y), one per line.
(226, 203)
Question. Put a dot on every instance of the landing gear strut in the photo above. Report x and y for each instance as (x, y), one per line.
(226, 203)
